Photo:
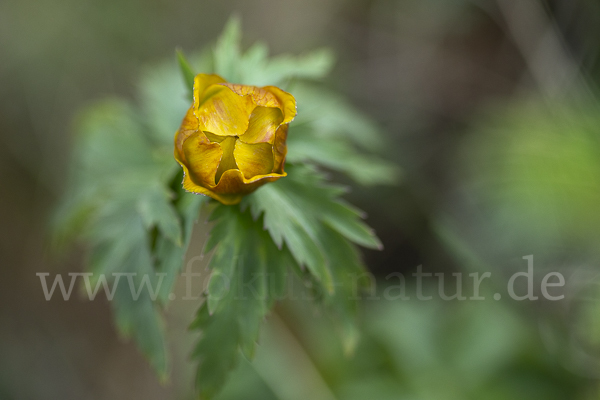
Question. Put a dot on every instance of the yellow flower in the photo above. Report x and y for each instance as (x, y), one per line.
(232, 139)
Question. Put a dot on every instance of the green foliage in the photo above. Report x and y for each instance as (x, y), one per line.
(126, 202)
(119, 198)
(169, 255)
(306, 225)
(248, 274)
(535, 169)
(254, 67)
(163, 99)
(328, 131)
(297, 210)
(187, 72)
(409, 349)
(306, 214)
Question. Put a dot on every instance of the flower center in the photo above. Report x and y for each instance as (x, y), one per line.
(227, 144)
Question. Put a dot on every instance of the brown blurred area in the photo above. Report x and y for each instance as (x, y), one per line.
(421, 69)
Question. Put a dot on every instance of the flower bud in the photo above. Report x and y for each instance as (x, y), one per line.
(232, 139)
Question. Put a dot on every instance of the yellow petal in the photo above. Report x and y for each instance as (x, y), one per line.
(280, 148)
(233, 186)
(202, 159)
(268, 96)
(187, 128)
(201, 83)
(223, 112)
(259, 96)
(253, 159)
(264, 121)
(215, 162)
(287, 103)
(214, 138)
(232, 182)
(228, 159)
(190, 186)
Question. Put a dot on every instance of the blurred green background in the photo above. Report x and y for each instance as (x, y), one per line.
(491, 109)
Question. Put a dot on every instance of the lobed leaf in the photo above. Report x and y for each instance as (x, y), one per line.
(126, 197)
(330, 115)
(248, 274)
(156, 209)
(298, 209)
(169, 256)
(118, 192)
(339, 155)
(187, 71)
(227, 52)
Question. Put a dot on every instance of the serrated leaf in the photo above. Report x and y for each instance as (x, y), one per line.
(257, 69)
(314, 65)
(216, 353)
(122, 195)
(330, 115)
(139, 318)
(156, 210)
(112, 139)
(136, 316)
(348, 273)
(164, 100)
(296, 210)
(335, 225)
(119, 182)
(250, 271)
(227, 52)
(223, 265)
(346, 220)
(339, 155)
(253, 64)
(169, 256)
(187, 72)
(289, 222)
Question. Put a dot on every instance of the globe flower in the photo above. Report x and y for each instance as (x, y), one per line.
(232, 139)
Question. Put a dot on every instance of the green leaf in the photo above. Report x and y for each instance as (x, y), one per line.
(217, 351)
(156, 210)
(248, 274)
(111, 145)
(227, 52)
(254, 63)
(137, 317)
(164, 100)
(351, 278)
(254, 66)
(314, 65)
(330, 115)
(346, 220)
(126, 199)
(304, 206)
(289, 222)
(257, 69)
(120, 184)
(339, 155)
(168, 255)
(296, 211)
(187, 72)
(329, 132)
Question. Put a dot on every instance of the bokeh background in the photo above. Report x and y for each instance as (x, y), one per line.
(490, 108)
